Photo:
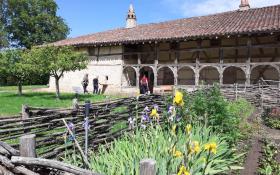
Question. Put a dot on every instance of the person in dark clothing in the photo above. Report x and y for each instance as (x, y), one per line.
(144, 84)
(95, 85)
(85, 83)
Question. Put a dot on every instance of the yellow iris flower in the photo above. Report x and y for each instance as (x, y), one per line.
(212, 147)
(195, 147)
(188, 128)
(177, 153)
(154, 113)
(183, 171)
(178, 98)
(174, 130)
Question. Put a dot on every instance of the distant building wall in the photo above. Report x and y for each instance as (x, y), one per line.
(101, 66)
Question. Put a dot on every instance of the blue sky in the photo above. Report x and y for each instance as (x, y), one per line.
(90, 16)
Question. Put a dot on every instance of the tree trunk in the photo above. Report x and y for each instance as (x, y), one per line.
(20, 87)
(57, 87)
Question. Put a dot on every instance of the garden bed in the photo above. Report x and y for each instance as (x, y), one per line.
(198, 134)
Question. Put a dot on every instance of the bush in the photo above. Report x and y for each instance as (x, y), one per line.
(271, 118)
(212, 109)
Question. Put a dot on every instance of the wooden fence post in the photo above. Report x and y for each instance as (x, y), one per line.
(24, 112)
(27, 146)
(236, 91)
(24, 116)
(148, 167)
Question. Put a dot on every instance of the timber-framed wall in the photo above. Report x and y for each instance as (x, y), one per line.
(251, 57)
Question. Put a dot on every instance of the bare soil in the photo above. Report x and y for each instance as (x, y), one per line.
(252, 161)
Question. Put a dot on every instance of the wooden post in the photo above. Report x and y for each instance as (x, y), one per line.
(27, 145)
(261, 96)
(156, 64)
(148, 167)
(24, 116)
(236, 95)
(77, 144)
(86, 125)
(24, 112)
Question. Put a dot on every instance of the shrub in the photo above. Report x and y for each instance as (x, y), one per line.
(210, 108)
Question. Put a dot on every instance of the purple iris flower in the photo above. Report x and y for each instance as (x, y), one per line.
(146, 109)
(178, 118)
(156, 107)
(71, 126)
(145, 117)
(170, 110)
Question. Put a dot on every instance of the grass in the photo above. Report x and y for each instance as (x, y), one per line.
(15, 88)
(119, 109)
(10, 102)
(119, 126)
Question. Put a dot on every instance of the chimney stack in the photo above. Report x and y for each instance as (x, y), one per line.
(244, 5)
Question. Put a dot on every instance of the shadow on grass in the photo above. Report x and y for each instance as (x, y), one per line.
(52, 96)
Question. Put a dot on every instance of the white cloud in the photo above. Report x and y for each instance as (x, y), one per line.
(203, 7)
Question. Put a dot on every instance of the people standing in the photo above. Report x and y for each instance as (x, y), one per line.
(85, 83)
(95, 85)
(144, 86)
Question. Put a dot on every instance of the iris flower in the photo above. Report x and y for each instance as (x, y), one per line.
(195, 147)
(177, 153)
(188, 128)
(178, 98)
(183, 171)
(211, 147)
(154, 113)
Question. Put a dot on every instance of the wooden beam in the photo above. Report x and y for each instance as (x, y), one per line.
(197, 49)
(236, 50)
(221, 55)
(28, 161)
(260, 49)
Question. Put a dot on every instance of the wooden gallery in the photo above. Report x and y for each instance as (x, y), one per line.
(235, 47)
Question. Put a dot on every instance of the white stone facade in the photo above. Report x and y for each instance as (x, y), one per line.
(102, 66)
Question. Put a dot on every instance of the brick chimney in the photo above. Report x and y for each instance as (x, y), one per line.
(244, 5)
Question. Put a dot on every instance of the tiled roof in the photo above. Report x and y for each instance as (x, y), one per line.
(258, 20)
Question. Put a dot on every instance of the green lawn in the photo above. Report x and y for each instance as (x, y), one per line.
(15, 88)
(10, 102)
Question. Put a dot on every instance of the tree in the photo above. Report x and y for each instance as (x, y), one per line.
(3, 32)
(58, 60)
(13, 64)
(3, 36)
(34, 22)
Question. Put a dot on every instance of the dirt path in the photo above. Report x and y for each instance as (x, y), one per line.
(251, 163)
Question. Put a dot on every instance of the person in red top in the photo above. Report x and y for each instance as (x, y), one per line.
(144, 85)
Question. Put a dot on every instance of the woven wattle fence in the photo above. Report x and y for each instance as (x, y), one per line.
(107, 120)
(260, 95)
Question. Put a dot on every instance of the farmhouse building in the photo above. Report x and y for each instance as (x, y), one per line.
(240, 46)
